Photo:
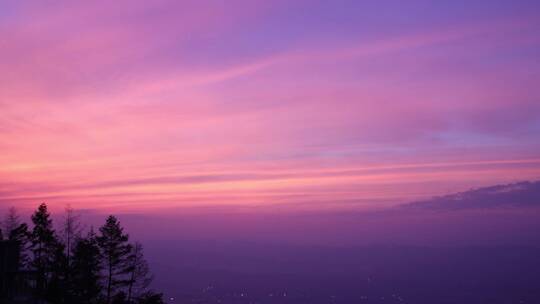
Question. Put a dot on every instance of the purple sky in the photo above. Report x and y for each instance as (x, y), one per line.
(304, 105)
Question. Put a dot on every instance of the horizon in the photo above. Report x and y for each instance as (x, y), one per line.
(498, 215)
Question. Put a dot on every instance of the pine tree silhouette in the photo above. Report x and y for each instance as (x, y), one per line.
(115, 248)
(86, 265)
(98, 269)
(44, 246)
(139, 277)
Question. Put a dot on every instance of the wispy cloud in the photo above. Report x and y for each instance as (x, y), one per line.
(181, 103)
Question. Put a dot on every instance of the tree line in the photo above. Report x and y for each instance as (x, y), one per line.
(69, 265)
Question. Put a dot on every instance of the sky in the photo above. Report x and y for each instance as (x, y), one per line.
(150, 106)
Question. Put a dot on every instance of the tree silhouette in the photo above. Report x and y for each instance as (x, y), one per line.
(15, 230)
(71, 230)
(139, 277)
(44, 246)
(56, 289)
(115, 250)
(22, 237)
(86, 265)
(95, 269)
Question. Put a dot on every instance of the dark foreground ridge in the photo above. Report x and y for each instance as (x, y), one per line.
(39, 264)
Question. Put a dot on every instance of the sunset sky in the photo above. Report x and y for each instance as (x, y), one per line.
(297, 105)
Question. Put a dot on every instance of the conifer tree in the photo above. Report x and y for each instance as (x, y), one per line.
(57, 291)
(15, 230)
(86, 266)
(44, 246)
(115, 250)
(98, 269)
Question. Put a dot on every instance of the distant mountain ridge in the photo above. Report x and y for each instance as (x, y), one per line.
(517, 195)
